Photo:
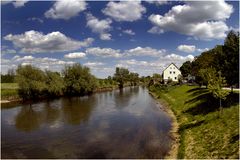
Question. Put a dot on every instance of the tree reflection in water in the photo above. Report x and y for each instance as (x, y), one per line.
(27, 119)
(78, 110)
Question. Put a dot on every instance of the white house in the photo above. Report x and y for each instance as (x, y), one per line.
(171, 72)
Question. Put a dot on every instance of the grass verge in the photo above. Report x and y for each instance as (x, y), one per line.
(203, 133)
(9, 91)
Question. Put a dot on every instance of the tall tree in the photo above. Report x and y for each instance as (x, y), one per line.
(121, 76)
(230, 58)
(186, 68)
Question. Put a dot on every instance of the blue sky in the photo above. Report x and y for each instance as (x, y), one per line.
(144, 37)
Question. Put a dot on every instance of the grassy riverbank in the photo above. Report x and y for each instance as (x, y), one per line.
(9, 91)
(203, 134)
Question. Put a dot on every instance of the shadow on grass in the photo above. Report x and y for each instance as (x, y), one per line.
(191, 125)
(206, 103)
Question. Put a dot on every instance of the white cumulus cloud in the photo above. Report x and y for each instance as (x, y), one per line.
(66, 9)
(200, 19)
(104, 52)
(186, 48)
(129, 31)
(146, 51)
(16, 4)
(75, 55)
(157, 2)
(124, 10)
(99, 26)
(37, 42)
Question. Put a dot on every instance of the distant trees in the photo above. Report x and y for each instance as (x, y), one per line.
(134, 79)
(9, 77)
(122, 76)
(35, 83)
(78, 80)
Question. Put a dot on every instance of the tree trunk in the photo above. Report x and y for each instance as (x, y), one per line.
(220, 109)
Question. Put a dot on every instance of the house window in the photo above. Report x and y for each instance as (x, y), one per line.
(173, 67)
(170, 67)
(175, 77)
(170, 72)
(173, 72)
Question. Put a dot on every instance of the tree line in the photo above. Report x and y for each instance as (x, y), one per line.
(74, 80)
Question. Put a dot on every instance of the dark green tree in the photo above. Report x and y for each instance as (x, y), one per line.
(78, 80)
(121, 76)
(186, 68)
(230, 59)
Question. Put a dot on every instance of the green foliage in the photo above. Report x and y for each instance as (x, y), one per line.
(206, 75)
(31, 82)
(78, 80)
(215, 84)
(54, 83)
(224, 58)
(121, 76)
(133, 78)
(186, 68)
(230, 58)
(9, 77)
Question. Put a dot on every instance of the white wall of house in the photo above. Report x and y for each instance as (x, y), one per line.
(171, 72)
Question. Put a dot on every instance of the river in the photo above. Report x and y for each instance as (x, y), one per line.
(114, 124)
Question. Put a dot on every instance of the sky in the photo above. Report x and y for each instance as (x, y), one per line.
(143, 36)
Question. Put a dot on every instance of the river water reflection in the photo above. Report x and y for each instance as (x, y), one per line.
(115, 124)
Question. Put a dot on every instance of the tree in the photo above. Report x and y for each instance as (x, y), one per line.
(78, 80)
(31, 82)
(54, 83)
(206, 75)
(215, 84)
(121, 76)
(186, 68)
(230, 58)
(133, 78)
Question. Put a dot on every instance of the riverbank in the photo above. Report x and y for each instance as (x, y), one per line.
(203, 133)
(172, 154)
(9, 92)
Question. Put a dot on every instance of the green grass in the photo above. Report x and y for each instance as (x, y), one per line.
(204, 134)
(9, 91)
(9, 86)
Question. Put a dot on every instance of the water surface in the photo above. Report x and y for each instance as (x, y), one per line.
(115, 124)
